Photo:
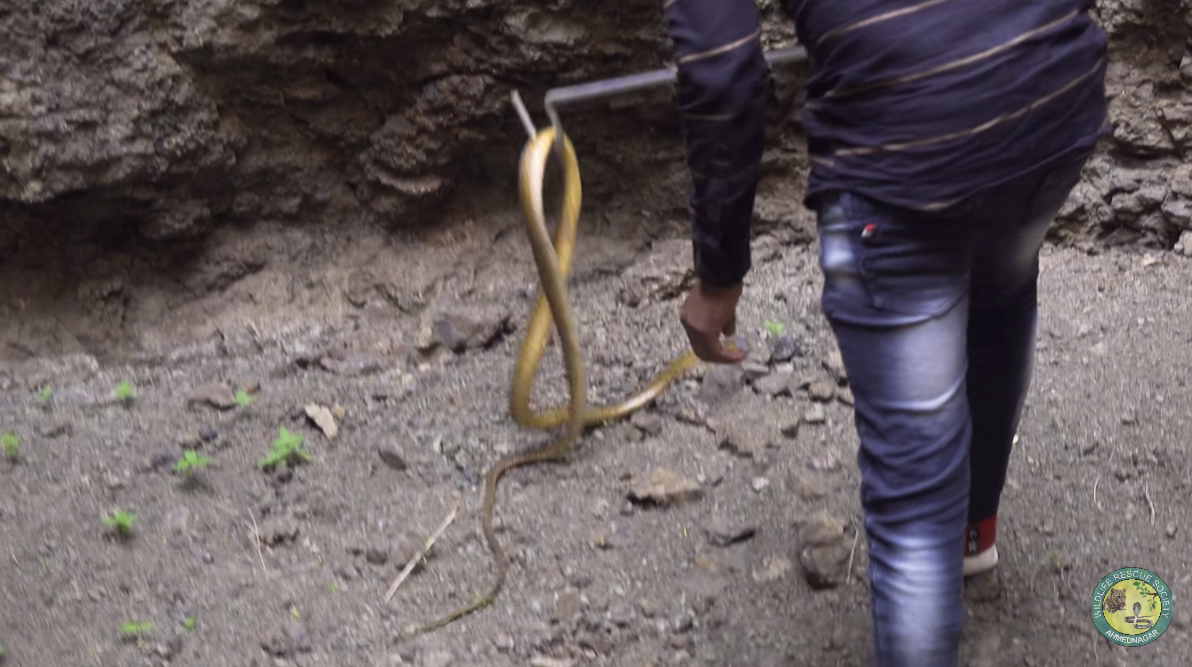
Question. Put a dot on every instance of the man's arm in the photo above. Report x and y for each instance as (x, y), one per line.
(722, 100)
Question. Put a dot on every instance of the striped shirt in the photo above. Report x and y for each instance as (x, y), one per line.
(915, 103)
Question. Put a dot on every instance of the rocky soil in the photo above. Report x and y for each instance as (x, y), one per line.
(717, 527)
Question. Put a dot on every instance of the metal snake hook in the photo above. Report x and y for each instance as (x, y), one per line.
(664, 76)
(524, 114)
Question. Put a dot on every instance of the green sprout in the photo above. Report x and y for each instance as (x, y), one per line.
(243, 398)
(125, 392)
(44, 396)
(190, 622)
(1055, 561)
(189, 461)
(287, 448)
(136, 630)
(11, 443)
(122, 521)
(776, 329)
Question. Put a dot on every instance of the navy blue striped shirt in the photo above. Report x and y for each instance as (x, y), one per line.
(915, 103)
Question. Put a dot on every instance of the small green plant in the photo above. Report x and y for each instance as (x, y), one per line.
(190, 622)
(121, 521)
(136, 628)
(11, 443)
(44, 396)
(190, 461)
(243, 398)
(125, 392)
(776, 329)
(135, 631)
(287, 448)
(1055, 561)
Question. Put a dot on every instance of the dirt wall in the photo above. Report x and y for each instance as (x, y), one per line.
(178, 116)
(178, 130)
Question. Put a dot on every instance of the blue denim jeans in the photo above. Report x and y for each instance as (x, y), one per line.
(935, 316)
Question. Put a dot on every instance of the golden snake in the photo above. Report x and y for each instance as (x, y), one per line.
(553, 261)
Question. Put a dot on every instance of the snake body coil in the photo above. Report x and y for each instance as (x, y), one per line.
(553, 262)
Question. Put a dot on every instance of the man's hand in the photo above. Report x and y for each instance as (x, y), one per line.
(707, 313)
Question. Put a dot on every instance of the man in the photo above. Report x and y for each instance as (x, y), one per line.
(944, 136)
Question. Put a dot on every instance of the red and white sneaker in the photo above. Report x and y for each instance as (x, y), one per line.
(980, 550)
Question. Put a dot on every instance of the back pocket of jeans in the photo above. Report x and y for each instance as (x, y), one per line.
(916, 266)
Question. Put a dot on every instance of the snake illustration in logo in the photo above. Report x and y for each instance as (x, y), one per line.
(1132, 607)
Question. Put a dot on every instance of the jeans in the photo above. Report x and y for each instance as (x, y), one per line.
(935, 317)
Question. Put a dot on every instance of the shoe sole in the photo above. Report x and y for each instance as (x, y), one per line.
(981, 563)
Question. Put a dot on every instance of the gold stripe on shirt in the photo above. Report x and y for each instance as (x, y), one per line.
(983, 127)
(720, 49)
(880, 18)
(967, 60)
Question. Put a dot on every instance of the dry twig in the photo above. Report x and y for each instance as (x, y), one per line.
(1095, 493)
(1150, 503)
(256, 533)
(430, 542)
(848, 579)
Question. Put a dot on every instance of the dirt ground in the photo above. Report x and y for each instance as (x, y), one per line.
(290, 567)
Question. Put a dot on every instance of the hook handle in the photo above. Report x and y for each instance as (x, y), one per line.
(623, 84)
